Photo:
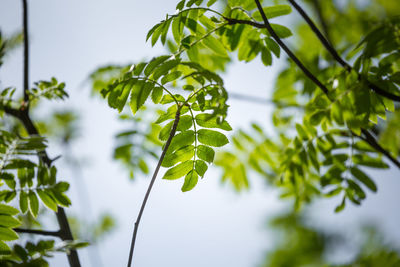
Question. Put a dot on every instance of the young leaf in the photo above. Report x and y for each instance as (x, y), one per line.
(201, 167)
(33, 203)
(9, 221)
(182, 154)
(362, 177)
(210, 121)
(179, 170)
(140, 92)
(7, 234)
(212, 138)
(23, 201)
(47, 200)
(273, 11)
(191, 180)
(205, 153)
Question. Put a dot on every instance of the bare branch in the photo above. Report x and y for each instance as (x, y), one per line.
(171, 135)
(38, 232)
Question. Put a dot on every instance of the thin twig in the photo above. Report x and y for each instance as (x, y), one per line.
(26, 52)
(38, 232)
(171, 135)
(337, 57)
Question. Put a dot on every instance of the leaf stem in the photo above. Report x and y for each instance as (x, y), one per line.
(171, 135)
(162, 86)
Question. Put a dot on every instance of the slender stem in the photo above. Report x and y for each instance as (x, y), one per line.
(337, 57)
(200, 39)
(139, 217)
(26, 52)
(38, 232)
(162, 86)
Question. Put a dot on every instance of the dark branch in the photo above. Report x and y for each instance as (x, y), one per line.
(337, 57)
(289, 52)
(38, 232)
(321, 19)
(26, 52)
(370, 139)
(171, 135)
(65, 230)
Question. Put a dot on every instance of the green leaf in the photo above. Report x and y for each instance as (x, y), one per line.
(266, 57)
(182, 154)
(273, 11)
(61, 198)
(212, 138)
(164, 68)
(171, 77)
(23, 201)
(317, 117)
(165, 131)
(9, 221)
(5, 209)
(179, 170)
(341, 206)
(205, 153)
(48, 200)
(140, 92)
(7, 234)
(362, 177)
(201, 167)
(281, 31)
(363, 159)
(181, 140)
(185, 123)
(210, 121)
(155, 62)
(33, 203)
(156, 95)
(215, 45)
(273, 46)
(191, 180)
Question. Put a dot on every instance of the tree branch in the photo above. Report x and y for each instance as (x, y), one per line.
(308, 73)
(26, 52)
(23, 115)
(38, 232)
(337, 57)
(171, 135)
(370, 139)
(321, 19)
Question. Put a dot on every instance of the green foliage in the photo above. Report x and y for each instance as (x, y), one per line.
(48, 89)
(300, 244)
(35, 254)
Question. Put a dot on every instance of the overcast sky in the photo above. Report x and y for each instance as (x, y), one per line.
(209, 226)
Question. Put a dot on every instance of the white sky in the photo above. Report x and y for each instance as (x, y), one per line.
(209, 226)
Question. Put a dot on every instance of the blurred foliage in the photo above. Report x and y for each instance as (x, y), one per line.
(302, 245)
(92, 232)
